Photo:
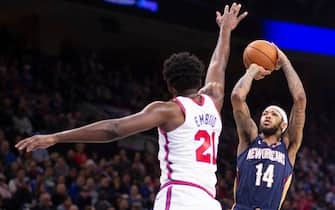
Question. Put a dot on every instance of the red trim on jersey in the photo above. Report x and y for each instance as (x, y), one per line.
(188, 184)
(214, 104)
(214, 154)
(168, 198)
(166, 147)
(201, 102)
(181, 106)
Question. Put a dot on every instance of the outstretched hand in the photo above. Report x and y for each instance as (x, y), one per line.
(36, 142)
(230, 17)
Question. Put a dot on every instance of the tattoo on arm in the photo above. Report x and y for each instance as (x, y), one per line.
(294, 83)
(297, 117)
(246, 127)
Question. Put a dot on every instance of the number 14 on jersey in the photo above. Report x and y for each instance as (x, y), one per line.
(267, 176)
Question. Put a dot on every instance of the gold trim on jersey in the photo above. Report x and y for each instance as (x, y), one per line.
(285, 189)
(235, 188)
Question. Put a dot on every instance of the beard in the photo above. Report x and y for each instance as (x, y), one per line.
(268, 131)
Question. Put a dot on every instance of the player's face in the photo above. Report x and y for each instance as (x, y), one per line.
(270, 122)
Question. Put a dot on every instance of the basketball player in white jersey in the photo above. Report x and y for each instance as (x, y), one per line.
(189, 125)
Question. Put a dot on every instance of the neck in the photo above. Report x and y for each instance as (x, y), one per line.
(188, 93)
(270, 140)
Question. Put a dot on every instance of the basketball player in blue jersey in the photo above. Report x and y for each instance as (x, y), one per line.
(189, 125)
(266, 156)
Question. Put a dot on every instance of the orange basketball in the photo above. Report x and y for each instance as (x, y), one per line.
(260, 52)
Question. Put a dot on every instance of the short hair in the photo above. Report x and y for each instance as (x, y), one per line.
(183, 71)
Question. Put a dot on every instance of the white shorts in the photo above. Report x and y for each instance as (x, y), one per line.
(183, 197)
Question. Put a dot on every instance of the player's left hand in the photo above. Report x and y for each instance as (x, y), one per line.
(282, 58)
(36, 142)
(230, 17)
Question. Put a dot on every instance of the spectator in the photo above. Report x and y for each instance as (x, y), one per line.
(80, 157)
(76, 187)
(45, 202)
(19, 181)
(7, 156)
(5, 193)
(330, 197)
(40, 155)
(134, 195)
(123, 203)
(60, 195)
(61, 167)
(84, 199)
(66, 204)
(91, 188)
(22, 122)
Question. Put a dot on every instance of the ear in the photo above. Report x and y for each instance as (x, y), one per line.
(200, 83)
(283, 127)
(172, 90)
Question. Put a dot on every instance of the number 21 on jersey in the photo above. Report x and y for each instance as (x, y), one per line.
(209, 141)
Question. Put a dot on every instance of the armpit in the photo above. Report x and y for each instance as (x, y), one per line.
(214, 89)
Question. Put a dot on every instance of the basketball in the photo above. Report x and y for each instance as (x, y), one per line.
(262, 53)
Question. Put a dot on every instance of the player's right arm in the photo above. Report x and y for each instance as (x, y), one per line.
(215, 76)
(154, 115)
(246, 127)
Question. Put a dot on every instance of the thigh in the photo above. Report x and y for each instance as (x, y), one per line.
(179, 197)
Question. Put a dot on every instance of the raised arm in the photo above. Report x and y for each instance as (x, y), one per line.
(216, 69)
(246, 127)
(297, 117)
(155, 114)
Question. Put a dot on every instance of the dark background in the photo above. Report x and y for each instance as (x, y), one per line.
(104, 61)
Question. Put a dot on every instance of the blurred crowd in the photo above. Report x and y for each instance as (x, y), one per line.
(43, 94)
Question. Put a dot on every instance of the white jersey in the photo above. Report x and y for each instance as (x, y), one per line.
(187, 154)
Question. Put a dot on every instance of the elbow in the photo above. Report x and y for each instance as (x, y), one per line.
(218, 64)
(113, 134)
(237, 96)
(112, 130)
(300, 99)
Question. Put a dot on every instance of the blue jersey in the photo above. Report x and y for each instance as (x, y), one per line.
(263, 176)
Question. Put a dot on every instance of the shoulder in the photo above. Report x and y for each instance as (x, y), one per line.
(165, 108)
(213, 89)
(164, 105)
(170, 114)
(216, 91)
